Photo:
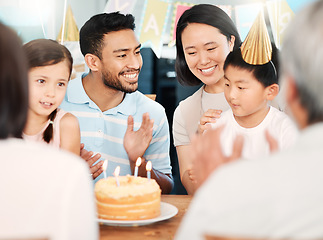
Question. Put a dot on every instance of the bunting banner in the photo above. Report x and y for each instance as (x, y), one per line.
(245, 16)
(123, 6)
(153, 25)
(69, 37)
(280, 14)
(227, 9)
(33, 22)
(71, 31)
(297, 5)
(179, 9)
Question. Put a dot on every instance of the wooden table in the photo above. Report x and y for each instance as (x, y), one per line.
(160, 230)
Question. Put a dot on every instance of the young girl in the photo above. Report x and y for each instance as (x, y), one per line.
(50, 67)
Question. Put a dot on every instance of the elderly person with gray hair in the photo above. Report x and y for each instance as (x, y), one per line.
(279, 196)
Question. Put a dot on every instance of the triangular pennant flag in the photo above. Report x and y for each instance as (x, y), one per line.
(71, 32)
(123, 6)
(153, 24)
(280, 14)
(179, 9)
(245, 15)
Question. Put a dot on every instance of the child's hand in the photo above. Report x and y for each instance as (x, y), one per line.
(95, 169)
(210, 116)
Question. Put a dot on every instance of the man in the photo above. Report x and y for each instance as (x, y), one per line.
(279, 196)
(108, 106)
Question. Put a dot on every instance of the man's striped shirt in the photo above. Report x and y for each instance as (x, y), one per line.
(103, 132)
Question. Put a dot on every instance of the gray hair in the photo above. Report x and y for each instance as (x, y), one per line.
(302, 58)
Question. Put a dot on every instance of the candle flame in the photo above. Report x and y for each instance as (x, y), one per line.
(105, 165)
(138, 162)
(148, 166)
(117, 171)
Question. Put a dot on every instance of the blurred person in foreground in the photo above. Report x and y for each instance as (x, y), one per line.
(279, 196)
(45, 193)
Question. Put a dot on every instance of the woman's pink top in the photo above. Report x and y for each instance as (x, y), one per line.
(56, 140)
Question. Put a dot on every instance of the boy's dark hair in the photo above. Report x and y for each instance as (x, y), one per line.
(204, 14)
(45, 52)
(93, 31)
(13, 85)
(266, 74)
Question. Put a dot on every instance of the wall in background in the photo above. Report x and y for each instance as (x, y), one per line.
(43, 18)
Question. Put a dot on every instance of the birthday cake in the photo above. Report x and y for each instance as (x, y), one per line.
(135, 198)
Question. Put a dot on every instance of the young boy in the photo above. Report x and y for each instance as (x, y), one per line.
(251, 81)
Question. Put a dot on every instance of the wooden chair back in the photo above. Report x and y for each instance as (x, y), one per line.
(151, 96)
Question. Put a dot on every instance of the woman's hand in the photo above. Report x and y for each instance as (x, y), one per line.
(210, 116)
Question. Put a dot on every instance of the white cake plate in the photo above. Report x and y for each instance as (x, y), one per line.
(167, 211)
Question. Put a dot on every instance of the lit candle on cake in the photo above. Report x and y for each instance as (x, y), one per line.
(138, 163)
(104, 167)
(116, 175)
(148, 168)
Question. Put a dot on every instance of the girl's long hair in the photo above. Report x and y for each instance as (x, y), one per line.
(45, 52)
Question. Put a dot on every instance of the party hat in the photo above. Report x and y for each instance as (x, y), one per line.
(256, 48)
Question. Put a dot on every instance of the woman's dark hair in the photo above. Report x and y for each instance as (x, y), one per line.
(204, 14)
(266, 74)
(13, 85)
(45, 52)
(93, 31)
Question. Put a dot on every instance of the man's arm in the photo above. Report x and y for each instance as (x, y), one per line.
(185, 168)
(165, 181)
(136, 144)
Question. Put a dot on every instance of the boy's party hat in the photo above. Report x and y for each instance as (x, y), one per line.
(256, 48)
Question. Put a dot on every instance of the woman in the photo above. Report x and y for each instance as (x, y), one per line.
(45, 193)
(205, 35)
